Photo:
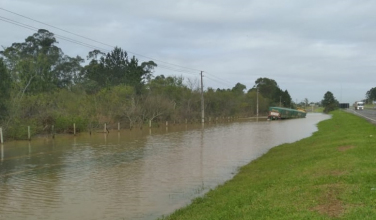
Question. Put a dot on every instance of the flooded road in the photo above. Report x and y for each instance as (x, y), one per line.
(132, 174)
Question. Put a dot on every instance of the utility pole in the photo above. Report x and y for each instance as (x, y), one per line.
(257, 102)
(202, 101)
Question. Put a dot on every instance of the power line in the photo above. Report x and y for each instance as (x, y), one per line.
(137, 54)
(218, 79)
(55, 27)
(57, 35)
(176, 69)
(89, 45)
(86, 45)
(161, 64)
(172, 68)
(16, 23)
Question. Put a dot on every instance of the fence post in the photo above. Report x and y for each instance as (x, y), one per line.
(118, 126)
(74, 129)
(53, 131)
(28, 133)
(1, 136)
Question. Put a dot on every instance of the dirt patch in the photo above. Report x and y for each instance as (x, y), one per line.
(332, 209)
(329, 204)
(322, 173)
(338, 173)
(345, 148)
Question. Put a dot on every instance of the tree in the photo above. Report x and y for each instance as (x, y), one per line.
(285, 98)
(114, 68)
(171, 87)
(5, 86)
(371, 94)
(239, 89)
(269, 89)
(329, 102)
(306, 103)
(155, 106)
(38, 65)
(251, 98)
(137, 75)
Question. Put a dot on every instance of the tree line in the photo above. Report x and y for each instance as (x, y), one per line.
(42, 87)
(371, 95)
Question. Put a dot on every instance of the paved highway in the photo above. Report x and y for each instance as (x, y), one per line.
(369, 114)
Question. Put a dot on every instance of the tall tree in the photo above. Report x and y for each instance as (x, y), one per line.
(239, 89)
(114, 68)
(38, 65)
(269, 89)
(67, 70)
(285, 98)
(137, 75)
(329, 102)
(371, 94)
(171, 87)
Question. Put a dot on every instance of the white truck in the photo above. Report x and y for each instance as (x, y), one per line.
(359, 105)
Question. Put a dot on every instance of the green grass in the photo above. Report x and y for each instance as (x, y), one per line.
(315, 109)
(369, 106)
(330, 175)
(318, 109)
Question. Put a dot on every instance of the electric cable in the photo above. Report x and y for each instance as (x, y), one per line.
(137, 54)
(165, 65)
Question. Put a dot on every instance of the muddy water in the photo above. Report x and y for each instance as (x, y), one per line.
(132, 174)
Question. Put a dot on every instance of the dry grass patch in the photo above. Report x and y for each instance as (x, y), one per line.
(338, 173)
(345, 148)
(329, 204)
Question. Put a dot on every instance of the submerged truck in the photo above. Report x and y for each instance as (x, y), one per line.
(276, 113)
(359, 105)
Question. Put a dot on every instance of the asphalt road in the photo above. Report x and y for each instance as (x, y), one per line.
(369, 114)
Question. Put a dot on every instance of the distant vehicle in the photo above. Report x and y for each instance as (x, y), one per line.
(344, 105)
(276, 113)
(359, 105)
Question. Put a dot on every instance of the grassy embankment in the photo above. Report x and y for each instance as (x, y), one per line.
(330, 175)
(369, 106)
(315, 109)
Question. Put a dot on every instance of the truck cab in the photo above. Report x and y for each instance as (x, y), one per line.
(359, 105)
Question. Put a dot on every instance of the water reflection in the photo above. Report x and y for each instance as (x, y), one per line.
(29, 144)
(132, 174)
(2, 152)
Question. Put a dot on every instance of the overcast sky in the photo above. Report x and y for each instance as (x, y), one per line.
(308, 47)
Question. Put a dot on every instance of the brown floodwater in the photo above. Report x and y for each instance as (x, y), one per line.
(138, 174)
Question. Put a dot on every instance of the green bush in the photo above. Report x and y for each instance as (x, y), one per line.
(64, 124)
(17, 130)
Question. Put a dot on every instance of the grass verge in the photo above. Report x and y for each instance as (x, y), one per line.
(330, 175)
